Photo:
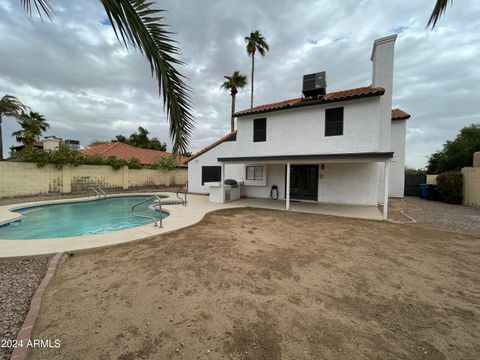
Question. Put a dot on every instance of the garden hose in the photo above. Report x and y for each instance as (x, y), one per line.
(274, 192)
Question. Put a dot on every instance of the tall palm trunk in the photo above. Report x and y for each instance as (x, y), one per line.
(253, 71)
(1, 140)
(232, 120)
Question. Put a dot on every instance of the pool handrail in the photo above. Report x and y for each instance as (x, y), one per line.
(96, 192)
(184, 201)
(100, 192)
(103, 192)
(146, 216)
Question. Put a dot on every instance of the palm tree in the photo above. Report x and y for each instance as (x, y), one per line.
(234, 82)
(138, 25)
(438, 11)
(9, 106)
(33, 126)
(255, 42)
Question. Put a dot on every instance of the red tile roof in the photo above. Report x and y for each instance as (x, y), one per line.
(350, 94)
(399, 114)
(127, 152)
(227, 137)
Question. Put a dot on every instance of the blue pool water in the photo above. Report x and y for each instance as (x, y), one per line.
(77, 219)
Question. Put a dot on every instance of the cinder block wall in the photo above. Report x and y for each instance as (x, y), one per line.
(20, 178)
(471, 186)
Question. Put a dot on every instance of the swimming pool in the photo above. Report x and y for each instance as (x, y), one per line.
(79, 218)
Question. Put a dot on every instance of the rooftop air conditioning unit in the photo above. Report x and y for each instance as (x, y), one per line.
(314, 85)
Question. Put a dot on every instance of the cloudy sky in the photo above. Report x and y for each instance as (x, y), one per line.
(89, 87)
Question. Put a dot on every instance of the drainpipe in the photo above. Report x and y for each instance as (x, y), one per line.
(385, 189)
(287, 186)
(223, 183)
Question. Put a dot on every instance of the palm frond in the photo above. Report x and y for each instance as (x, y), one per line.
(11, 106)
(236, 80)
(42, 7)
(137, 24)
(438, 11)
(256, 41)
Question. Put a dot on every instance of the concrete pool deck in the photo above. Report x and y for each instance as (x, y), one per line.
(180, 217)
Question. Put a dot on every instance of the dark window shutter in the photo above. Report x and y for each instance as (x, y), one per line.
(334, 121)
(259, 130)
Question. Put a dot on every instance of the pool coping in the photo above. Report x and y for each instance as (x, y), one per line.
(197, 207)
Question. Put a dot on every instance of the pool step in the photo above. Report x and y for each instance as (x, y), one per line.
(168, 202)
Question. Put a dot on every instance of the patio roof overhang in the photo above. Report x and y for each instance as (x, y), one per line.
(309, 158)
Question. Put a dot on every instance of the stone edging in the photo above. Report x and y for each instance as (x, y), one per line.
(25, 333)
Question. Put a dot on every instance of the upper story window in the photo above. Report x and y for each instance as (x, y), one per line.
(334, 121)
(259, 130)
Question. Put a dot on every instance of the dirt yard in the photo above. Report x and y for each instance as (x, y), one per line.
(262, 284)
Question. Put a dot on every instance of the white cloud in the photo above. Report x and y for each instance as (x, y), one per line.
(89, 87)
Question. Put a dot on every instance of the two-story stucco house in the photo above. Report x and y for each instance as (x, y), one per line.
(344, 147)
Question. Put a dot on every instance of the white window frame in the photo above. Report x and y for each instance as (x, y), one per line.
(257, 181)
(255, 172)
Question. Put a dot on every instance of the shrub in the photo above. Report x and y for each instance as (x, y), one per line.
(450, 186)
(165, 165)
(66, 156)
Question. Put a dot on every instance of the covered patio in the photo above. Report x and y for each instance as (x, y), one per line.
(350, 184)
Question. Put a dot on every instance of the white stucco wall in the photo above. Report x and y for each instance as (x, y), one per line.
(382, 76)
(302, 131)
(51, 144)
(342, 183)
(209, 158)
(397, 165)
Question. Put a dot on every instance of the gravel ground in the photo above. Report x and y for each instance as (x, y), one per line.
(18, 281)
(436, 215)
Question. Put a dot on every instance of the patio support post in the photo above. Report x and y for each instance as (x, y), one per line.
(385, 189)
(287, 187)
(222, 185)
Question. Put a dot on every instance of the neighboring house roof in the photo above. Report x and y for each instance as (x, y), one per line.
(127, 152)
(38, 144)
(357, 93)
(399, 114)
(230, 136)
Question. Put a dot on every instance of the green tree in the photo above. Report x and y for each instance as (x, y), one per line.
(9, 106)
(121, 138)
(255, 42)
(139, 25)
(457, 153)
(98, 142)
(412, 171)
(165, 165)
(438, 11)
(234, 82)
(140, 139)
(33, 126)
